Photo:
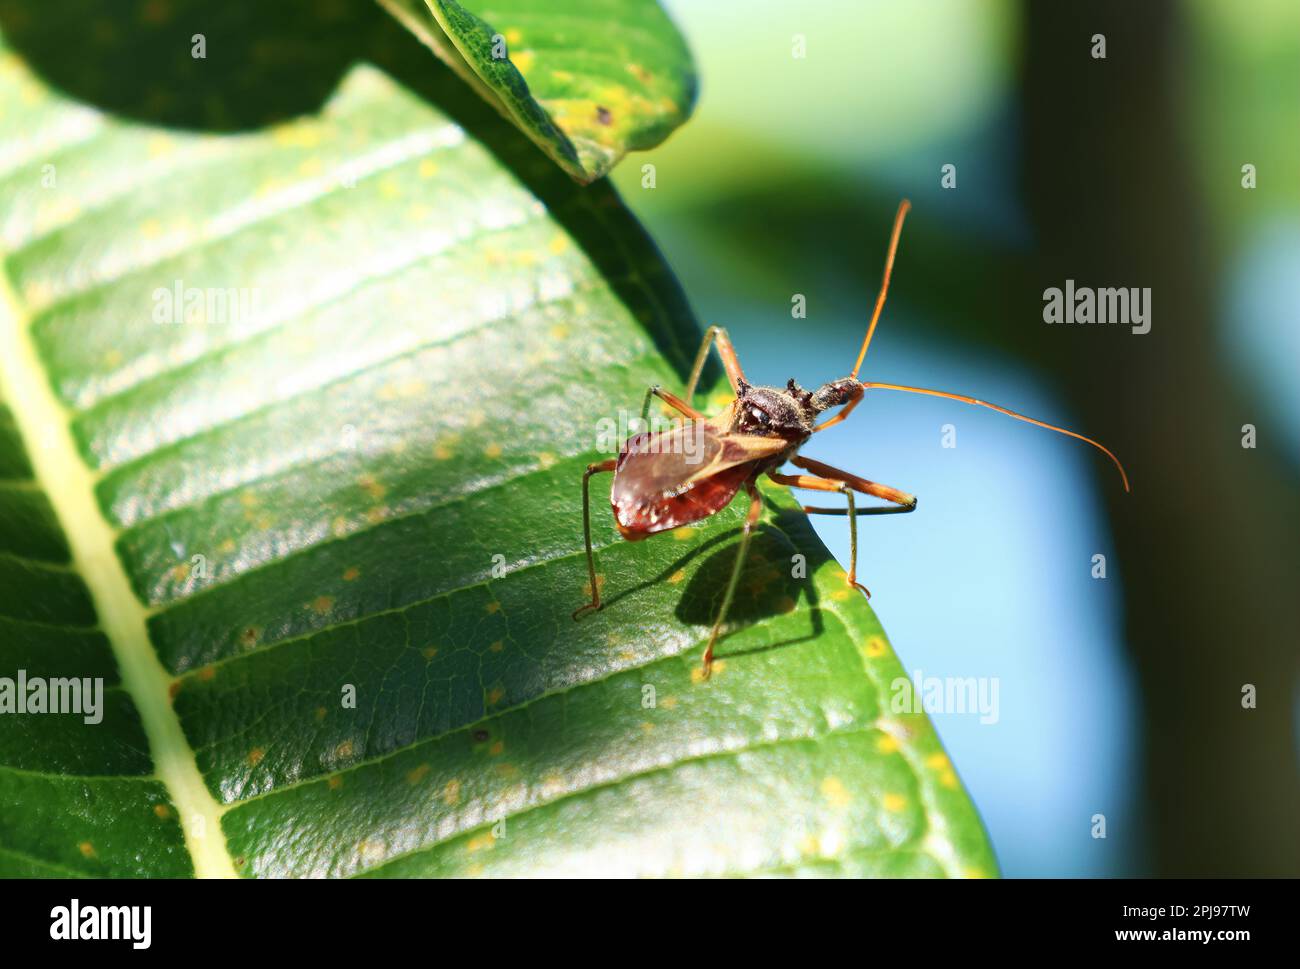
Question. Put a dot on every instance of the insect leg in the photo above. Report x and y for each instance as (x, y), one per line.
(726, 351)
(853, 512)
(594, 604)
(841, 416)
(861, 485)
(751, 519)
(672, 400)
(845, 484)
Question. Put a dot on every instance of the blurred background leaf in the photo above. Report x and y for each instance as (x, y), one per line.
(587, 81)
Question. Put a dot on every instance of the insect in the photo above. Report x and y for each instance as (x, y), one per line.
(666, 479)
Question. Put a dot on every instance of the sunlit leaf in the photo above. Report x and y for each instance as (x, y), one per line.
(290, 455)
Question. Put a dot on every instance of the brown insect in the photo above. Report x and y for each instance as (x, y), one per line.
(666, 479)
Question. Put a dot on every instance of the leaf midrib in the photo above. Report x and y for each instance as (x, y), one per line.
(45, 427)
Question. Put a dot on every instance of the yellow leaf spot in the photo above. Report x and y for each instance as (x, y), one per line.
(87, 849)
(493, 607)
(322, 605)
(428, 168)
(207, 673)
(255, 756)
(62, 210)
(668, 703)
(720, 401)
(513, 36)
(600, 584)
(558, 244)
(335, 782)
(417, 774)
(545, 459)
(351, 574)
(162, 811)
(344, 750)
(684, 534)
(894, 802)
(248, 499)
(298, 135)
(429, 652)
(647, 727)
(492, 451)
(552, 785)
(833, 790)
(937, 761)
(875, 648)
(481, 842)
(227, 547)
(374, 488)
(495, 696)
(677, 577)
(389, 188)
(559, 332)
(442, 452)
(497, 647)
(151, 228)
(697, 672)
(320, 714)
(160, 145)
(886, 744)
(948, 779)
(113, 358)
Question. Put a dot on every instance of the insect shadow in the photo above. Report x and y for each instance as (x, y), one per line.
(770, 585)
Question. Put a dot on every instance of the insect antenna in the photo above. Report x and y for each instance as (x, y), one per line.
(903, 208)
(1002, 410)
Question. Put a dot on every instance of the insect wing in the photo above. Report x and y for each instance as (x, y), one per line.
(672, 478)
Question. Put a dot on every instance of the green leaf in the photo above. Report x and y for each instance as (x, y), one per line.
(344, 463)
(588, 82)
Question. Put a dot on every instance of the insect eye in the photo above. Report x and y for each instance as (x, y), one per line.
(759, 415)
